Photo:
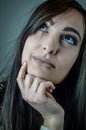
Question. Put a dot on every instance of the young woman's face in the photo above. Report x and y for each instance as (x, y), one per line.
(51, 52)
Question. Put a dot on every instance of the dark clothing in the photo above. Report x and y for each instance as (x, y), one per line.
(62, 94)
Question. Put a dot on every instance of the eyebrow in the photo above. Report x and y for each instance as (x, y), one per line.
(67, 29)
(70, 29)
(51, 22)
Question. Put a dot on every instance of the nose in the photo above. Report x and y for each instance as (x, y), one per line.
(51, 46)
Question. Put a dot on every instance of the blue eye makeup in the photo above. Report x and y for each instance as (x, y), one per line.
(68, 39)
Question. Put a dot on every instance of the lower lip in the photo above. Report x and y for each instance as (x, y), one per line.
(43, 64)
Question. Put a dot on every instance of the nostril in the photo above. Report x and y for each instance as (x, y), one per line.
(51, 52)
(44, 48)
(50, 49)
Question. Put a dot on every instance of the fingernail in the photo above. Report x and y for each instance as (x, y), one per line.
(51, 90)
(24, 63)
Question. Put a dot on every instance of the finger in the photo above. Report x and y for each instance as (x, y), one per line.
(50, 96)
(20, 77)
(35, 84)
(28, 81)
(49, 89)
(44, 86)
(22, 71)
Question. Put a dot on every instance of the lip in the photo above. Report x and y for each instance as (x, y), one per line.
(43, 62)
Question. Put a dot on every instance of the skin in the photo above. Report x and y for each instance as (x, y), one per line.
(36, 79)
(46, 45)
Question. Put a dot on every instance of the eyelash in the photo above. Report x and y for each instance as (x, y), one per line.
(43, 28)
(72, 40)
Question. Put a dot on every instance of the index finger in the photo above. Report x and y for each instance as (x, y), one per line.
(22, 71)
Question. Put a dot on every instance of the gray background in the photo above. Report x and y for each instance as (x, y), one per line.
(13, 16)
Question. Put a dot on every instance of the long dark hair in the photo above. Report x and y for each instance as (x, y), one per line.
(16, 114)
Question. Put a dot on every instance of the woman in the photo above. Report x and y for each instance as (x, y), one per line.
(46, 86)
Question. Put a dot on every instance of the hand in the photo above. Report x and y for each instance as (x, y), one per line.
(37, 93)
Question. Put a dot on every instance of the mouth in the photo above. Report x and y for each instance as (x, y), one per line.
(43, 62)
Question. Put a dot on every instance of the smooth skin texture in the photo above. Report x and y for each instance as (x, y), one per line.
(37, 93)
(50, 54)
(55, 45)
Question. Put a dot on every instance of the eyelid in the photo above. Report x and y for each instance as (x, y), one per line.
(46, 26)
(72, 30)
(71, 36)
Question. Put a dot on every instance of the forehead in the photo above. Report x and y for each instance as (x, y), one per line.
(71, 18)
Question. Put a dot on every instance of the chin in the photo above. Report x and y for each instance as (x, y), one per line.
(41, 75)
(44, 75)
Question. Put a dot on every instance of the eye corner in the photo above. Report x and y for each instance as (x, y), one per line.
(68, 39)
(43, 28)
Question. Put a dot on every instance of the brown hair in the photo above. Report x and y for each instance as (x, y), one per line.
(16, 114)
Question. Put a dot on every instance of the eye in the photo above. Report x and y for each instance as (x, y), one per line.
(69, 39)
(43, 28)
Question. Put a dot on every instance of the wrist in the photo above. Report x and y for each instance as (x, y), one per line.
(44, 128)
(54, 123)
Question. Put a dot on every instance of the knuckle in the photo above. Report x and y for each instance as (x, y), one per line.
(19, 81)
(31, 76)
(51, 84)
(37, 79)
(18, 78)
(26, 76)
(42, 83)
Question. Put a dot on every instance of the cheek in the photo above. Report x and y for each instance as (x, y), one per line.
(67, 58)
(64, 66)
(26, 50)
(69, 64)
(31, 45)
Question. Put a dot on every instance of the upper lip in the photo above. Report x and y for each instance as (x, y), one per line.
(44, 60)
